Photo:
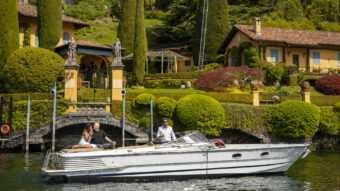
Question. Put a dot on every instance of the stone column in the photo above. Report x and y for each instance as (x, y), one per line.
(117, 82)
(71, 72)
(117, 72)
(256, 94)
(305, 87)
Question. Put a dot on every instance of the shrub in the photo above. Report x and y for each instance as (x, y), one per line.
(167, 83)
(203, 113)
(154, 14)
(143, 100)
(329, 84)
(293, 119)
(165, 106)
(193, 74)
(336, 108)
(329, 122)
(144, 122)
(250, 54)
(274, 74)
(32, 69)
(228, 77)
(41, 114)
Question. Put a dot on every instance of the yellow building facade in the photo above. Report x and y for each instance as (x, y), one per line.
(313, 51)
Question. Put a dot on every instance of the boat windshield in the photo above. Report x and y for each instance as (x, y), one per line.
(192, 138)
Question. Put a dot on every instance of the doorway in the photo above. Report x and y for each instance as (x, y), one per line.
(296, 60)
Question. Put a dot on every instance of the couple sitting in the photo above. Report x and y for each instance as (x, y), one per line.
(94, 138)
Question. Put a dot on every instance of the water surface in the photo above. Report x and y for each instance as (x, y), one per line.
(318, 171)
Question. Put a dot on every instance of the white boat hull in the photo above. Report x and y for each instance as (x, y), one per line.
(166, 162)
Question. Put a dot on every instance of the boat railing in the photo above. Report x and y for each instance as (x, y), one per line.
(46, 160)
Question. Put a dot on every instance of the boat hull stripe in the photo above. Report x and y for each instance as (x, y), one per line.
(186, 170)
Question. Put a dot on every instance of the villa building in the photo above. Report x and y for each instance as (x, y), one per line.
(314, 51)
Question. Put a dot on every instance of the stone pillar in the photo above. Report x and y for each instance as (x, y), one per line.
(117, 72)
(71, 72)
(305, 87)
(117, 82)
(71, 76)
(256, 94)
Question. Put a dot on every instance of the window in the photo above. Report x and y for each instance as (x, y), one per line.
(66, 38)
(338, 59)
(36, 38)
(19, 35)
(187, 63)
(316, 57)
(274, 55)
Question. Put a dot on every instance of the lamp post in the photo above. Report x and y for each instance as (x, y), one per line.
(123, 117)
(54, 93)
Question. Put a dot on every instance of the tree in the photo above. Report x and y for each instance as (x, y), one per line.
(31, 69)
(217, 28)
(126, 29)
(49, 23)
(324, 10)
(293, 10)
(8, 33)
(140, 44)
(163, 4)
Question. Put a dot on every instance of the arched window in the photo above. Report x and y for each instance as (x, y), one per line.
(36, 38)
(66, 38)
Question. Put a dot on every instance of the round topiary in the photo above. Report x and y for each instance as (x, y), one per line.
(336, 108)
(293, 119)
(143, 100)
(165, 106)
(32, 69)
(203, 113)
(329, 122)
(329, 84)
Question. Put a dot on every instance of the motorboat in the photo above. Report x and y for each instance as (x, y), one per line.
(192, 155)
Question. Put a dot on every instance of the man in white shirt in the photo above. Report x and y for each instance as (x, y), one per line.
(165, 132)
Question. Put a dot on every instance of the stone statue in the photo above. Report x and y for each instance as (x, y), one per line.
(117, 53)
(72, 48)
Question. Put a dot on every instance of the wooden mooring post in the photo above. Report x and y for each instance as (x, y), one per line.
(28, 125)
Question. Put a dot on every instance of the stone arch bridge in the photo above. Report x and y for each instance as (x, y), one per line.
(69, 129)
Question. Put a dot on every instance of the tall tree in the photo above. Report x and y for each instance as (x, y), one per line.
(9, 29)
(140, 45)
(49, 23)
(293, 10)
(325, 10)
(126, 29)
(217, 28)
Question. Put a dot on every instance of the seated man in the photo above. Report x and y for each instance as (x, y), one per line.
(165, 132)
(100, 138)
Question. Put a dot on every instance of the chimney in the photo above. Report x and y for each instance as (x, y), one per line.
(257, 25)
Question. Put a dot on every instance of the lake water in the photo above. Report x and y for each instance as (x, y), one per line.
(318, 171)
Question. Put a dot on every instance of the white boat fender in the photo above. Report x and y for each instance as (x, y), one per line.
(305, 153)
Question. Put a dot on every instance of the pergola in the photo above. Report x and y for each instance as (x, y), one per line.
(171, 56)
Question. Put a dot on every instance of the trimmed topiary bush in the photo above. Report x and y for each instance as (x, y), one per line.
(165, 106)
(329, 122)
(250, 54)
(329, 85)
(49, 23)
(32, 69)
(274, 74)
(293, 119)
(203, 113)
(144, 122)
(143, 100)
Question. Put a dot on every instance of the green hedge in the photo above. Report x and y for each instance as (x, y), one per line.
(165, 106)
(293, 119)
(194, 74)
(247, 118)
(167, 83)
(325, 100)
(24, 96)
(203, 113)
(41, 113)
(329, 122)
(143, 100)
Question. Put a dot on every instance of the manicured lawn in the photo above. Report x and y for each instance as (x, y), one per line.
(107, 33)
(129, 90)
(315, 92)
